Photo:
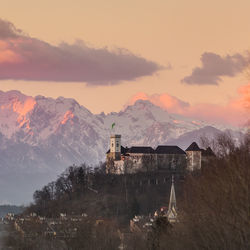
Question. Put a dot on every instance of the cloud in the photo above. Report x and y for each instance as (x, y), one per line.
(165, 101)
(25, 58)
(236, 112)
(214, 67)
(8, 30)
(245, 100)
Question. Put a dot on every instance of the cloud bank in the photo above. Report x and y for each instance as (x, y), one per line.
(214, 67)
(25, 58)
(236, 112)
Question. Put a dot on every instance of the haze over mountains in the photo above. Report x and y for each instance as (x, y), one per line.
(40, 137)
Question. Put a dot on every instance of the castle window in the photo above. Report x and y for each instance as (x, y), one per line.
(117, 144)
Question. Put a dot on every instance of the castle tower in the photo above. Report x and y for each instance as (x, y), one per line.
(172, 214)
(193, 157)
(115, 147)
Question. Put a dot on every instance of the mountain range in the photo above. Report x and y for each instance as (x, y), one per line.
(40, 137)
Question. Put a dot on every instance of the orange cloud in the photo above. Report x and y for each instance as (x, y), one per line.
(244, 91)
(235, 112)
(7, 55)
(165, 101)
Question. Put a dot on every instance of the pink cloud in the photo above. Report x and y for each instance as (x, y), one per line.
(235, 112)
(165, 101)
(26, 58)
(7, 55)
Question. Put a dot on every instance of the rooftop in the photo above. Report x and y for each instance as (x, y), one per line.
(193, 147)
(208, 152)
(149, 150)
(169, 150)
(142, 150)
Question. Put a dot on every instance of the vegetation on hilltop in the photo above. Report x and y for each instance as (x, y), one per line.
(79, 190)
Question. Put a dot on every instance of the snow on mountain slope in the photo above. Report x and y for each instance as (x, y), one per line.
(186, 139)
(146, 124)
(75, 135)
(43, 136)
(14, 108)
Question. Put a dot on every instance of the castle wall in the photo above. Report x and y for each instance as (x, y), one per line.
(134, 163)
(193, 160)
(114, 164)
(171, 162)
(140, 163)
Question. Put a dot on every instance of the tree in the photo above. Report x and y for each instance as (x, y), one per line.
(160, 230)
(217, 202)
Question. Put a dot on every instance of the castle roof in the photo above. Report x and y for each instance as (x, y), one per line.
(193, 147)
(141, 150)
(208, 152)
(123, 150)
(169, 150)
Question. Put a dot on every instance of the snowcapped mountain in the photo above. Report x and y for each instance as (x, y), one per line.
(147, 124)
(40, 137)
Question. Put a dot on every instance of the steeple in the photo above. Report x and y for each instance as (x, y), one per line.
(172, 200)
(172, 214)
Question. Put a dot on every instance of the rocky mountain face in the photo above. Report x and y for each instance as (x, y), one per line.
(40, 137)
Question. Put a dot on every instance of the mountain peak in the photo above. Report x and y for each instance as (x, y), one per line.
(7, 97)
(141, 105)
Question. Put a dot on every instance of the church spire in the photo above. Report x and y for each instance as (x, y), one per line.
(172, 200)
(172, 214)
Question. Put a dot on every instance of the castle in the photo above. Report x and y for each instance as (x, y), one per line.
(121, 160)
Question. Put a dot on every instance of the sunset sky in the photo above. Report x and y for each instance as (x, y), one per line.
(189, 57)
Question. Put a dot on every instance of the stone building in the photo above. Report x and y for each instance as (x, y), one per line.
(193, 157)
(196, 156)
(121, 160)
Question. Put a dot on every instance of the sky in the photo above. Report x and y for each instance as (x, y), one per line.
(188, 57)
